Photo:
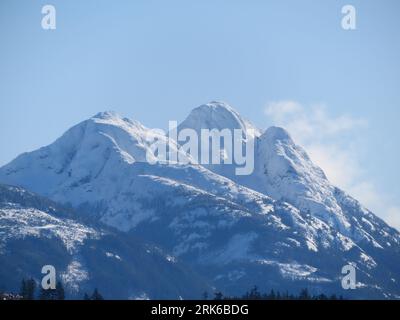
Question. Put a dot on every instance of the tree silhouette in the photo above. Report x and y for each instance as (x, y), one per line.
(218, 295)
(23, 292)
(27, 291)
(304, 295)
(254, 294)
(96, 295)
(60, 292)
(53, 294)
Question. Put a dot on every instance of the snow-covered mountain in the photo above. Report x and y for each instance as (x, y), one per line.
(285, 226)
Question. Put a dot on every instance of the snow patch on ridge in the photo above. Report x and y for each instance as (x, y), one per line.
(75, 275)
(21, 222)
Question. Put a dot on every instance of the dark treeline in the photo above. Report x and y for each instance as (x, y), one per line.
(28, 291)
(94, 296)
(255, 294)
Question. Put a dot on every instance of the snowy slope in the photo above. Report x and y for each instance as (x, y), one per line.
(35, 232)
(283, 226)
(220, 116)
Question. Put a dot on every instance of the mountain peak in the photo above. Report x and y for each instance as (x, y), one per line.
(217, 115)
(277, 133)
(218, 109)
(106, 115)
(115, 119)
(216, 106)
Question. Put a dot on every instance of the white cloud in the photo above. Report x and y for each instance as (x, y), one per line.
(340, 166)
(331, 142)
(393, 216)
(310, 123)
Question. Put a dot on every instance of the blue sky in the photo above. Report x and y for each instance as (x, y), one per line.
(156, 60)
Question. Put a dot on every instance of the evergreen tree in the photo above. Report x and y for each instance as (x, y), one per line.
(60, 292)
(218, 295)
(272, 295)
(86, 296)
(322, 297)
(96, 295)
(205, 295)
(48, 294)
(30, 289)
(43, 294)
(304, 295)
(254, 294)
(285, 295)
(53, 294)
(23, 292)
